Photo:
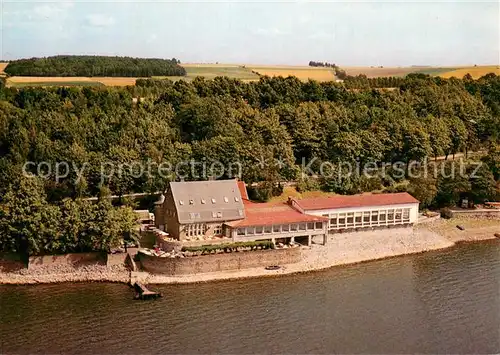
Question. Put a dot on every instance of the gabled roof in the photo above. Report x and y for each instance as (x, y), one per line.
(364, 200)
(264, 214)
(207, 201)
(243, 189)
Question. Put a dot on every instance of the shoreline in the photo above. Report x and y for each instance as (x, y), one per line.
(341, 250)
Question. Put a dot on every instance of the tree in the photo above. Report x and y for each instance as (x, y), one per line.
(423, 189)
(28, 224)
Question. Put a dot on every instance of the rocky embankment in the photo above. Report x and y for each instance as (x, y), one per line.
(341, 249)
(66, 273)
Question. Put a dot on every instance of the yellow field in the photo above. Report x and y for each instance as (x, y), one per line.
(373, 72)
(253, 72)
(303, 73)
(475, 72)
(118, 81)
(444, 72)
(2, 67)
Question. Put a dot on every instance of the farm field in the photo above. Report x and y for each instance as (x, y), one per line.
(475, 72)
(56, 83)
(23, 81)
(253, 72)
(2, 67)
(210, 71)
(444, 72)
(303, 73)
(373, 72)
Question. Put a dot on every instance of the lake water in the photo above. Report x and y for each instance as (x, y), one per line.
(438, 302)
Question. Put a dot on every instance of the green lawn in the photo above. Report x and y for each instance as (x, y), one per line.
(434, 71)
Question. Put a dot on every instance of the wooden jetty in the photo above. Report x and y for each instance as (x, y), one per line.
(143, 293)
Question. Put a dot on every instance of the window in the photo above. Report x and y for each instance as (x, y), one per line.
(406, 214)
(191, 202)
(285, 227)
(374, 216)
(359, 215)
(250, 230)
(382, 216)
(390, 215)
(350, 218)
(310, 225)
(366, 217)
(333, 222)
(259, 230)
(398, 215)
(219, 214)
(218, 229)
(325, 215)
(276, 228)
(319, 225)
(293, 227)
(302, 227)
(241, 231)
(268, 229)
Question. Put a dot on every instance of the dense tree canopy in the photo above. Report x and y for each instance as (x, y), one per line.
(276, 129)
(95, 66)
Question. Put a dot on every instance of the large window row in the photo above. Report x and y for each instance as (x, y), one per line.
(368, 218)
(280, 228)
(195, 229)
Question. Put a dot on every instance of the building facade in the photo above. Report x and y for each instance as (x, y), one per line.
(362, 211)
(201, 210)
(198, 209)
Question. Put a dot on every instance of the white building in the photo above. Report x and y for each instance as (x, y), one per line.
(361, 211)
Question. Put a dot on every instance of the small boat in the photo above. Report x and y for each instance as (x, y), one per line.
(273, 267)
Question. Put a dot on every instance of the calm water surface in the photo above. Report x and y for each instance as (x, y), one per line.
(439, 302)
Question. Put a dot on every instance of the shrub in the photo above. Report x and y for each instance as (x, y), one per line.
(230, 247)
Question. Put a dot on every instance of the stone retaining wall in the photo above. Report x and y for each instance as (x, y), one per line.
(11, 262)
(219, 262)
(73, 259)
(479, 214)
(116, 259)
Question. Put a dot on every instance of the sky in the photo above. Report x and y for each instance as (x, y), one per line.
(361, 33)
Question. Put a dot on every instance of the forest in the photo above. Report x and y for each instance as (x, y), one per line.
(90, 66)
(277, 129)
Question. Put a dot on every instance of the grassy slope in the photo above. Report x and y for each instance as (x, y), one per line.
(210, 71)
(303, 73)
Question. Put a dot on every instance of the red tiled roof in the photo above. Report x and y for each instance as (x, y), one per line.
(243, 190)
(263, 214)
(341, 201)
